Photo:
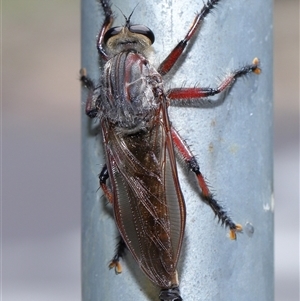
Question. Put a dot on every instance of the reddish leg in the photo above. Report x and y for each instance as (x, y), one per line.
(196, 93)
(103, 176)
(171, 59)
(105, 26)
(191, 161)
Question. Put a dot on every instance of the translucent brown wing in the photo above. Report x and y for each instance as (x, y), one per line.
(148, 204)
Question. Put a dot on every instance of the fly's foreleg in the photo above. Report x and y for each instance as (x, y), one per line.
(191, 161)
(175, 54)
(196, 93)
(108, 20)
(121, 246)
(90, 107)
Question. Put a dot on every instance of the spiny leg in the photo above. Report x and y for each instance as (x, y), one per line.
(191, 161)
(109, 19)
(121, 246)
(175, 54)
(120, 251)
(103, 176)
(196, 93)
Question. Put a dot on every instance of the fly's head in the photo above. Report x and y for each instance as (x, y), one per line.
(128, 37)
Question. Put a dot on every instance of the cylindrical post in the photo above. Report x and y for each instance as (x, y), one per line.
(231, 138)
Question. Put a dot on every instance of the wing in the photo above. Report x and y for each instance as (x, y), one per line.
(148, 203)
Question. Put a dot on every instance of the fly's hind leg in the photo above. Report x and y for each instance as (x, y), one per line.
(120, 251)
(103, 176)
(197, 93)
(209, 199)
(121, 246)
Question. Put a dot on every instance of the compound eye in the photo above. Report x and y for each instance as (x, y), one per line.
(112, 32)
(145, 31)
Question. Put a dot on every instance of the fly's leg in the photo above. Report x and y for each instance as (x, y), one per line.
(120, 251)
(196, 93)
(90, 107)
(191, 161)
(171, 59)
(109, 19)
(103, 176)
(121, 246)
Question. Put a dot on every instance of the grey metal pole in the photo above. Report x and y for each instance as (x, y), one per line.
(233, 143)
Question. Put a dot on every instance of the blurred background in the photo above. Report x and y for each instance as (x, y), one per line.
(41, 150)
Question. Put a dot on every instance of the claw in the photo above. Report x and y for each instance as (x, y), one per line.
(116, 265)
(255, 62)
(82, 72)
(232, 232)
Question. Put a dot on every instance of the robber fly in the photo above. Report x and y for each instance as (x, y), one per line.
(139, 141)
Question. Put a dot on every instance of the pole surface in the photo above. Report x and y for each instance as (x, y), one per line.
(231, 138)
